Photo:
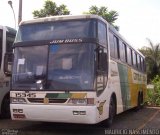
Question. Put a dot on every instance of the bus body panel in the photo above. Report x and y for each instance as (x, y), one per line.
(57, 113)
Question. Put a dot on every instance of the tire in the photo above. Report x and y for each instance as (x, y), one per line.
(139, 102)
(5, 110)
(112, 112)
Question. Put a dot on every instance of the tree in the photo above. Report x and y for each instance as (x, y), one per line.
(109, 16)
(51, 9)
(152, 55)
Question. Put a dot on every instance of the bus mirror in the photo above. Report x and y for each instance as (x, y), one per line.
(8, 64)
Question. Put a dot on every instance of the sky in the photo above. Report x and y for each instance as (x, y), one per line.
(138, 19)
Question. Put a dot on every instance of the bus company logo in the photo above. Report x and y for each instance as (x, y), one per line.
(100, 108)
(64, 41)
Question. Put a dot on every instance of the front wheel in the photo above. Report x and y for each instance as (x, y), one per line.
(112, 112)
(5, 110)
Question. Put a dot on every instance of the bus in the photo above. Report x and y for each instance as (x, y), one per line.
(74, 69)
(7, 36)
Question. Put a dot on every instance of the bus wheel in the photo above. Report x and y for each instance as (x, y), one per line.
(112, 112)
(5, 110)
(139, 102)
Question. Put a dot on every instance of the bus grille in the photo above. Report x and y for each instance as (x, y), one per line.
(41, 100)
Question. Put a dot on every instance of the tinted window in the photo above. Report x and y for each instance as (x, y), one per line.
(57, 30)
(138, 62)
(122, 51)
(102, 33)
(111, 42)
(129, 58)
(140, 58)
(71, 67)
(142, 61)
(29, 66)
(116, 47)
(134, 59)
(113, 45)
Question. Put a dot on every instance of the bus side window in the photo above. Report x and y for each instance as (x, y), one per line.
(122, 51)
(143, 64)
(138, 61)
(134, 56)
(129, 57)
(102, 35)
(116, 52)
(113, 42)
(1, 41)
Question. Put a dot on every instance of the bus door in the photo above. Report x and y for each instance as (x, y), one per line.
(101, 67)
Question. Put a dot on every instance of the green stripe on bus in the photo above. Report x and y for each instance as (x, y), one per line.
(58, 95)
(125, 90)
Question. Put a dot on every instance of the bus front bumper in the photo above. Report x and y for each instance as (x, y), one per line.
(55, 113)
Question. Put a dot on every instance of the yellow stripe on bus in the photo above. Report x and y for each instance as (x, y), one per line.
(78, 95)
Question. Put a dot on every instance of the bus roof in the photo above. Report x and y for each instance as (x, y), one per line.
(62, 17)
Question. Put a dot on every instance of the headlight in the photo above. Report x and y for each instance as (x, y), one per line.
(18, 101)
(78, 101)
(86, 101)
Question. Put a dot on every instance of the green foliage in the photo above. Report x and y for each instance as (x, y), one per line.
(152, 55)
(153, 95)
(51, 9)
(109, 16)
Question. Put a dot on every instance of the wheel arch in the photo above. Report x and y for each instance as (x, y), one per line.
(7, 95)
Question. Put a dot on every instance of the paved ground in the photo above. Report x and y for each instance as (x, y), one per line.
(145, 121)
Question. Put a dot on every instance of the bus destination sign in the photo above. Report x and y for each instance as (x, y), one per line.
(65, 41)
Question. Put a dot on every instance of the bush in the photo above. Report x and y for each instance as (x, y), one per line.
(153, 95)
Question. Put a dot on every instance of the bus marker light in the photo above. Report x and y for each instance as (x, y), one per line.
(82, 112)
(75, 112)
(17, 110)
(79, 112)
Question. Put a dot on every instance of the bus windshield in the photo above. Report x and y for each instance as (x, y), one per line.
(66, 67)
(57, 30)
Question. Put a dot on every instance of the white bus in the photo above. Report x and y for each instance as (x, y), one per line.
(7, 36)
(74, 69)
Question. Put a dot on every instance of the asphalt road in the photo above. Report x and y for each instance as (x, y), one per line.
(145, 121)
